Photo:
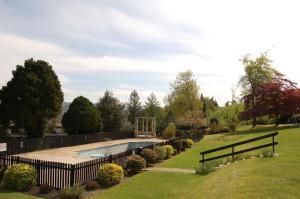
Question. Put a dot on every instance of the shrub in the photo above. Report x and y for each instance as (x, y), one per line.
(46, 188)
(169, 151)
(170, 131)
(218, 130)
(2, 171)
(204, 170)
(232, 126)
(92, 185)
(175, 151)
(19, 177)
(178, 145)
(135, 163)
(110, 174)
(267, 154)
(149, 155)
(74, 192)
(190, 142)
(161, 152)
(185, 143)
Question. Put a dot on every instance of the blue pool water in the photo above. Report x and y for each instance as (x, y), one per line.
(113, 149)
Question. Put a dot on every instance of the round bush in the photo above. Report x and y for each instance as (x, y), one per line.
(75, 192)
(190, 142)
(92, 185)
(19, 177)
(46, 188)
(178, 145)
(185, 143)
(149, 155)
(161, 152)
(135, 163)
(110, 174)
(169, 151)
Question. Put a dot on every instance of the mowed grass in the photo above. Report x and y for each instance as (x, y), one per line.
(277, 177)
(15, 195)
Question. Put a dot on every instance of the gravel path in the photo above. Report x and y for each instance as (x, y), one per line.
(176, 170)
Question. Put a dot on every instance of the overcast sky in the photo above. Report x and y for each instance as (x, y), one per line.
(123, 45)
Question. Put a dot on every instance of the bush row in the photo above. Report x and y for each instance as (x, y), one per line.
(22, 177)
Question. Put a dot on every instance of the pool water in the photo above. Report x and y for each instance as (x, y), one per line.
(112, 149)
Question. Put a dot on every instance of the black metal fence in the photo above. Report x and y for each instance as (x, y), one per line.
(233, 152)
(23, 145)
(60, 175)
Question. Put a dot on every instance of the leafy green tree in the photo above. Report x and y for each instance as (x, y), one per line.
(228, 115)
(82, 117)
(134, 107)
(32, 97)
(184, 94)
(257, 71)
(112, 113)
(170, 131)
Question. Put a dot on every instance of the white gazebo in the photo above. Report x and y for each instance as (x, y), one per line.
(145, 127)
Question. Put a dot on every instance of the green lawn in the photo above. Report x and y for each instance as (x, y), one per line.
(15, 195)
(277, 177)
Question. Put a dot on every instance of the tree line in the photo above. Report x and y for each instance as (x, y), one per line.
(33, 98)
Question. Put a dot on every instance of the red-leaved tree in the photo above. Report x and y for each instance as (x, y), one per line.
(280, 96)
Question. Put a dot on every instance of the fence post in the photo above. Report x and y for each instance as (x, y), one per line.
(202, 159)
(38, 168)
(72, 174)
(12, 160)
(232, 153)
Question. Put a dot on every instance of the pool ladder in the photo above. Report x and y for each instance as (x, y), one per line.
(108, 149)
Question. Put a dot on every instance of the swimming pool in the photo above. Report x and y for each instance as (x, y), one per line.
(112, 149)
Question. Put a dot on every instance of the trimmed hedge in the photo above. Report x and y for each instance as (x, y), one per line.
(135, 163)
(169, 150)
(19, 177)
(110, 174)
(178, 145)
(161, 152)
(149, 155)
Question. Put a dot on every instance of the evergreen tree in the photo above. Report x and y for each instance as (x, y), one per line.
(134, 107)
(112, 113)
(82, 117)
(31, 98)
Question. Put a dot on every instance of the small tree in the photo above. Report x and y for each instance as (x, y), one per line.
(281, 96)
(152, 109)
(193, 119)
(170, 131)
(112, 113)
(134, 106)
(31, 98)
(82, 117)
(257, 71)
(184, 94)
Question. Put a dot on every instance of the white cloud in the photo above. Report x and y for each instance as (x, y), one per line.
(224, 30)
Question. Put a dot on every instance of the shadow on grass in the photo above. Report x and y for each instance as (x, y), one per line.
(263, 129)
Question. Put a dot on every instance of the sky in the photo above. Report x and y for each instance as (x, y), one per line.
(95, 45)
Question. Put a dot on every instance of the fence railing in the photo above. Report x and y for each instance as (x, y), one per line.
(232, 146)
(24, 145)
(60, 175)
